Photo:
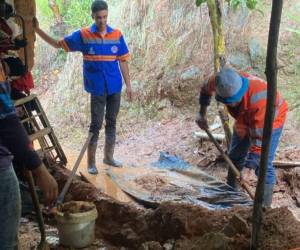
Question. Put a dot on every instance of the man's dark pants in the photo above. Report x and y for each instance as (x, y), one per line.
(110, 104)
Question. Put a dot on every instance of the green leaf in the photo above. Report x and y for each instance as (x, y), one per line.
(297, 31)
(199, 2)
(251, 4)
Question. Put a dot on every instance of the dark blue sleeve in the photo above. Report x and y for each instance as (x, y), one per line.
(72, 42)
(123, 53)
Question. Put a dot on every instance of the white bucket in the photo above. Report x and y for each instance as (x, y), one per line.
(76, 228)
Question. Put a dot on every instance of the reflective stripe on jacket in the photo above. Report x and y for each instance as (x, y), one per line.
(250, 114)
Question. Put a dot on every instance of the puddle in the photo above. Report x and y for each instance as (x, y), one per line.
(102, 180)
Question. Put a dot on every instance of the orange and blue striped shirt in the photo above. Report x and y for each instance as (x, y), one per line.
(101, 57)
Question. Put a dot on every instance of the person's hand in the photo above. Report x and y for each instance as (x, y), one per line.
(35, 23)
(129, 93)
(201, 121)
(46, 183)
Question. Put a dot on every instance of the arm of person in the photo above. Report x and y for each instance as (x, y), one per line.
(15, 139)
(46, 183)
(53, 42)
(256, 133)
(125, 73)
(206, 92)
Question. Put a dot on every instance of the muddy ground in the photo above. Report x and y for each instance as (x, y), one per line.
(122, 223)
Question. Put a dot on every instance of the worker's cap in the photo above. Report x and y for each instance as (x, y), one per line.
(230, 86)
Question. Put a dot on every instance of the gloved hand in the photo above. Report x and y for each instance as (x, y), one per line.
(252, 161)
(20, 43)
(201, 121)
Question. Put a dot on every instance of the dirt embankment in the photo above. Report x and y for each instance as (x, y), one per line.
(182, 226)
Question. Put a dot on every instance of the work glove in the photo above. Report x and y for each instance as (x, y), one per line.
(201, 121)
(20, 43)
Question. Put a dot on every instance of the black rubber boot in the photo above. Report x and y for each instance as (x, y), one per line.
(268, 194)
(231, 179)
(109, 156)
(91, 159)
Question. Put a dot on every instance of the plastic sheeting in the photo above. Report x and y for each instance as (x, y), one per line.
(172, 179)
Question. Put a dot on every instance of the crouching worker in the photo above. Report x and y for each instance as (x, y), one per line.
(245, 97)
(14, 143)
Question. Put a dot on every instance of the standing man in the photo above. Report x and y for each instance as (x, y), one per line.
(104, 54)
(245, 97)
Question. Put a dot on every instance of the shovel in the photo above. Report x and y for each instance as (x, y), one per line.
(43, 243)
(236, 172)
(61, 197)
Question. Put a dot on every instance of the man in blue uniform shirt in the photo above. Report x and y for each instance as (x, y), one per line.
(104, 54)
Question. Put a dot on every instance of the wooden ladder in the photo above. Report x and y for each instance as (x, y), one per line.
(39, 130)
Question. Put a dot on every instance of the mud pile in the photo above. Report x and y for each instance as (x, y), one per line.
(182, 226)
(291, 176)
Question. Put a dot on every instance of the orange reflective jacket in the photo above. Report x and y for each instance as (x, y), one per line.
(250, 114)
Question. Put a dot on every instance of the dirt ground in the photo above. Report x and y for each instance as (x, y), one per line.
(176, 137)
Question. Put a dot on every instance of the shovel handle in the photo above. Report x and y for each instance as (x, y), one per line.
(36, 204)
(236, 172)
(61, 197)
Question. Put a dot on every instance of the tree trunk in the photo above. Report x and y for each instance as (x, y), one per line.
(271, 73)
(27, 9)
(216, 19)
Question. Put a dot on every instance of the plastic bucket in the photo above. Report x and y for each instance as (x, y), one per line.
(76, 223)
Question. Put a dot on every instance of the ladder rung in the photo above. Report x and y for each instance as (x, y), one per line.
(31, 117)
(40, 134)
(24, 100)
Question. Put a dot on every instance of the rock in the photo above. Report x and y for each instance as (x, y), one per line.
(169, 245)
(163, 104)
(160, 75)
(191, 73)
(239, 60)
(255, 49)
(151, 245)
(236, 225)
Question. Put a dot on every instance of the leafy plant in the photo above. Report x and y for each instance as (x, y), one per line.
(250, 4)
(296, 27)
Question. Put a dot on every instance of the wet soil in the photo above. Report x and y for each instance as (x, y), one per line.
(73, 207)
(128, 226)
(122, 223)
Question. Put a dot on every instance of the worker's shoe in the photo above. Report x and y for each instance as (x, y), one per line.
(109, 156)
(268, 194)
(91, 159)
(231, 180)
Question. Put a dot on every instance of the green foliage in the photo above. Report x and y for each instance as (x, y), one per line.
(295, 28)
(199, 2)
(250, 4)
(77, 14)
(44, 12)
(43, 8)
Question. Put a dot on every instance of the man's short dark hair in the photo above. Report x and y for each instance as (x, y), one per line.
(99, 5)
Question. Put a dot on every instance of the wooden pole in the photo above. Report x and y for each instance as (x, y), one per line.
(271, 73)
(216, 19)
(236, 172)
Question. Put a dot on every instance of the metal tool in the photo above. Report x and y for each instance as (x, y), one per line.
(237, 173)
(61, 196)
